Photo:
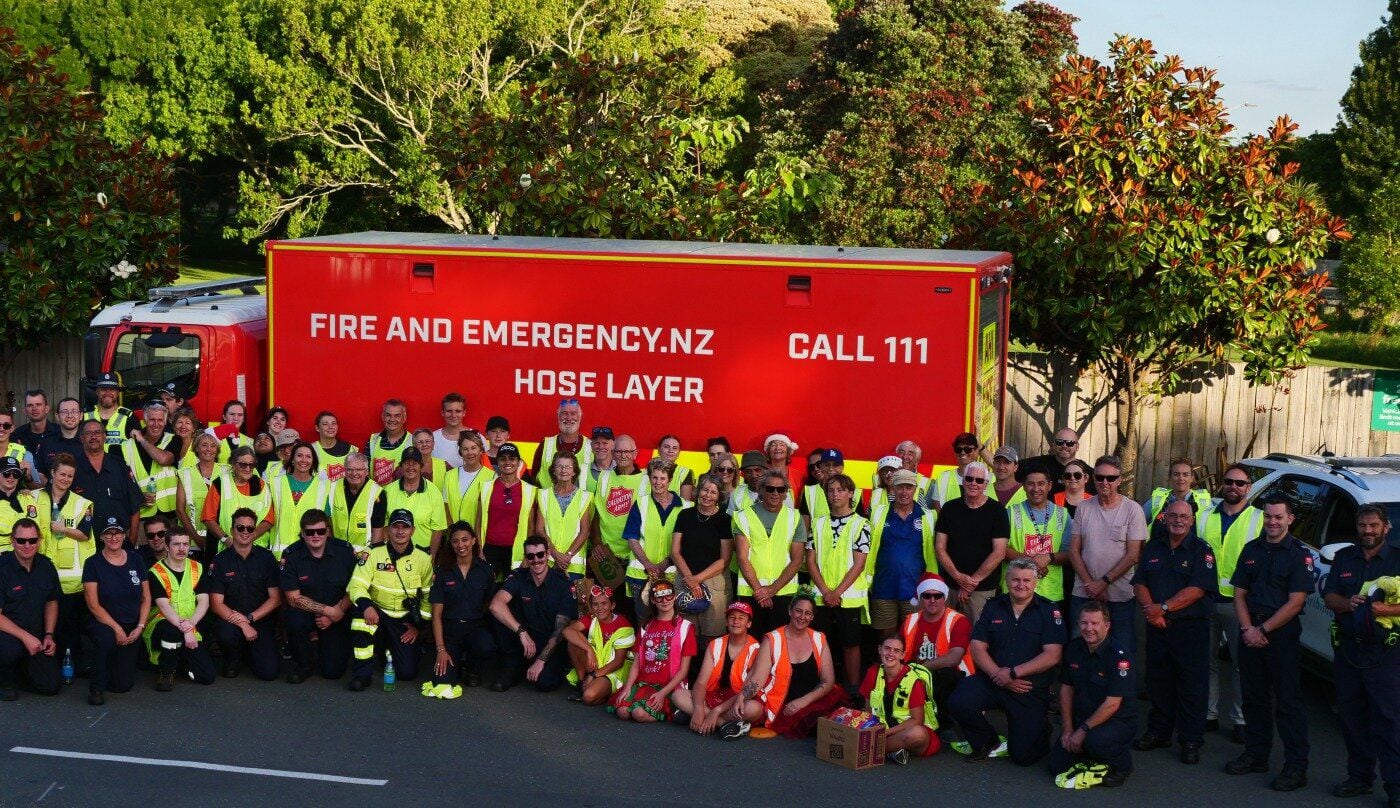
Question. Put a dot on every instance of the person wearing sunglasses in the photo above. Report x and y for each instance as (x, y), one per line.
(770, 541)
(1105, 543)
(244, 594)
(726, 470)
(237, 490)
(15, 449)
(1063, 450)
(714, 447)
(973, 531)
(1073, 486)
(29, 592)
(118, 600)
(156, 530)
(665, 647)
(600, 644)
(460, 596)
(569, 439)
(947, 486)
(180, 601)
(315, 578)
(898, 693)
(937, 637)
(533, 607)
(389, 593)
(1227, 526)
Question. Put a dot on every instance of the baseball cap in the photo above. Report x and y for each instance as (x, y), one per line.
(171, 389)
(752, 458)
(411, 453)
(1007, 453)
(9, 465)
(287, 437)
(110, 524)
(403, 515)
(740, 606)
(109, 379)
(905, 477)
(497, 422)
(832, 456)
(602, 432)
(508, 450)
(889, 462)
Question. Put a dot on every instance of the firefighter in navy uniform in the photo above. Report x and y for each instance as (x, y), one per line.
(1175, 585)
(1271, 580)
(316, 572)
(389, 591)
(1366, 657)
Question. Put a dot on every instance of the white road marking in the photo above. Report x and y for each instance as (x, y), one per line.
(192, 764)
(99, 718)
(46, 791)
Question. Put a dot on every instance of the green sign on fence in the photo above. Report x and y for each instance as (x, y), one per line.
(1385, 402)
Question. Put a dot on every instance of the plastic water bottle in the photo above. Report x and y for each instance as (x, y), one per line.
(389, 675)
(68, 666)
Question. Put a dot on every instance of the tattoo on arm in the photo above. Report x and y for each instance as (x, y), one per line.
(560, 623)
(308, 605)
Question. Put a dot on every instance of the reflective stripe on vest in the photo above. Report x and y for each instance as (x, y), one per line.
(738, 671)
(182, 599)
(463, 506)
(288, 510)
(353, 524)
(769, 553)
(527, 502)
(775, 691)
(1227, 548)
(196, 489)
(941, 642)
(231, 499)
(67, 553)
(836, 555)
(116, 426)
(562, 527)
(162, 482)
(656, 532)
(902, 693)
(549, 447)
(1052, 586)
(387, 583)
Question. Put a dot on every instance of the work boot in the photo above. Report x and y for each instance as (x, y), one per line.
(1114, 778)
(358, 683)
(1150, 740)
(472, 680)
(1351, 787)
(1190, 754)
(95, 698)
(165, 681)
(230, 669)
(1291, 778)
(1246, 764)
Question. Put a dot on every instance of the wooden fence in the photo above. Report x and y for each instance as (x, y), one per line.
(1320, 408)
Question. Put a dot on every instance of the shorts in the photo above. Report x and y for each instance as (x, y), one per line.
(885, 614)
(715, 698)
(841, 625)
(934, 744)
(637, 697)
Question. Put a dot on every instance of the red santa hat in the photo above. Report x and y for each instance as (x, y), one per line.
(929, 583)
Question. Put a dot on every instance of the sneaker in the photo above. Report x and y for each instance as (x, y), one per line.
(1000, 750)
(733, 730)
(961, 747)
(1351, 787)
(1083, 776)
(899, 757)
(1246, 764)
(680, 717)
(1291, 778)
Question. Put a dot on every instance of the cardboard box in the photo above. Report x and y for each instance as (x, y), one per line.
(846, 746)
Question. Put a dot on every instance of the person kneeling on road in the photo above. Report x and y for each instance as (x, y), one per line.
(29, 591)
(181, 598)
(600, 646)
(316, 572)
(715, 702)
(389, 591)
(533, 606)
(901, 696)
(1097, 707)
(243, 595)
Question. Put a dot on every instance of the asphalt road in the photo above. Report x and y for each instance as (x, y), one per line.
(524, 748)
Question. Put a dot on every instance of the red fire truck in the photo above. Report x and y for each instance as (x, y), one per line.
(850, 347)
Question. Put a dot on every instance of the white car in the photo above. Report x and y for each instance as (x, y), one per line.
(1327, 492)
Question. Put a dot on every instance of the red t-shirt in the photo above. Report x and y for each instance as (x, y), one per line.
(925, 644)
(609, 628)
(658, 644)
(504, 517)
(917, 696)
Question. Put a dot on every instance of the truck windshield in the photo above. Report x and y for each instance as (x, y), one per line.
(147, 361)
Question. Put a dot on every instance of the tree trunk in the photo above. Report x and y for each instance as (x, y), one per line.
(1128, 404)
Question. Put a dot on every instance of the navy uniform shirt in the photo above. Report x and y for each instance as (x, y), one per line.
(25, 434)
(1099, 674)
(1166, 571)
(1350, 571)
(1015, 641)
(119, 588)
(465, 597)
(323, 579)
(243, 581)
(25, 592)
(111, 490)
(536, 607)
(1271, 572)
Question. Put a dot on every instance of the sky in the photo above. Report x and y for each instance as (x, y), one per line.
(1288, 57)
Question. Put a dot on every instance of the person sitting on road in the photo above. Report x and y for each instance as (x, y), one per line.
(900, 694)
(460, 598)
(794, 676)
(600, 646)
(666, 646)
(715, 700)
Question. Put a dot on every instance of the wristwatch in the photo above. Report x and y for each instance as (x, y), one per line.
(1106, 579)
(521, 629)
(1165, 607)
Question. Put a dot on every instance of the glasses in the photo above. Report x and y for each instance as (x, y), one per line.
(356, 470)
(1063, 442)
(244, 528)
(245, 465)
(600, 591)
(1236, 483)
(775, 489)
(1074, 475)
(6, 427)
(565, 402)
(624, 451)
(18, 540)
(975, 480)
(315, 531)
(932, 596)
(663, 596)
(155, 534)
(964, 449)
(540, 556)
(14, 475)
(1106, 478)
(726, 469)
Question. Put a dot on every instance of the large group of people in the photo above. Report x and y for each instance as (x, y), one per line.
(738, 601)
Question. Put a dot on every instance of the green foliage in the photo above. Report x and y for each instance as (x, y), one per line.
(901, 104)
(1369, 275)
(73, 207)
(1319, 164)
(765, 42)
(1368, 134)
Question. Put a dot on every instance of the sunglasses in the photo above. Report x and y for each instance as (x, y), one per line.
(540, 556)
(663, 595)
(1237, 483)
(975, 480)
(600, 591)
(6, 427)
(1060, 442)
(932, 596)
(315, 531)
(1074, 475)
(1106, 478)
(245, 465)
(565, 402)
(155, 534)
(964, 449)
(14, 475)
(726, 470)
(775, 489)
(18, 540)
(244, 528)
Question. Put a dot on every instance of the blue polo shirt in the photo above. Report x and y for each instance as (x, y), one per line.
(900, 563)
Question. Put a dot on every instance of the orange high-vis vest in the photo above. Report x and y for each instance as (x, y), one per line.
(780, 674)
(941, 641)
(738, 671)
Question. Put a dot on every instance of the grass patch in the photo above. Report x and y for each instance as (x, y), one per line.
(1357, 349)
(215, 269)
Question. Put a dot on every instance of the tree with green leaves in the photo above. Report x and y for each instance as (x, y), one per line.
(82, 222)
(1146, 241)
(1368, 134)
(1369, 274)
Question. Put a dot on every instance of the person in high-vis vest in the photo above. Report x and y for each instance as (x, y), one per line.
(837, 553)
(1040, 531)
(947, 485)
(505, 507)
(434, 468)
(389, 591)
(461, 488)
(115, 419)
(387, 447)
(16, 450)
(230, 430)
(814, 497)
(910, 454)
(599, 648)
(770, 545)
(353, 497)
(413, 492)
(15, 501)
(194, 489)
(1182, 476)
(882, 492)
(186, 428)
(239, 489)
(331, 451)
(1227, 527)
(683, 480)
(650, 528)
(460, 600)
(602, 443)
(301, 488)
(614, 493)
(1006, 486)
(899, 693)
(569, 439)
(752, 467)
(65, 524)
(147, 453)
(172, 633)
(793, 677)
(563, 514)
(902, 549)
(715, 703)
(938, 638)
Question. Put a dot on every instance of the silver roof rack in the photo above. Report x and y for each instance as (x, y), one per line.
(1389, 461)
(165, 298)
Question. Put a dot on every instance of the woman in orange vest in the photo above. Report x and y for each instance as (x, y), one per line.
(794, 677)
(715, 701)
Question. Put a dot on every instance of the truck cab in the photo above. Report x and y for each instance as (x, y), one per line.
(210, 339)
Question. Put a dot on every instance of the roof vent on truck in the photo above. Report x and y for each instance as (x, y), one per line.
(165, 298)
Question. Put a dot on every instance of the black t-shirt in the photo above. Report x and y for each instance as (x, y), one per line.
(464, 597)
(243, 582)
(323, 579)
(118, 586)
(701, 537)
(970, 532)
(158, 589)
(24, 593)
